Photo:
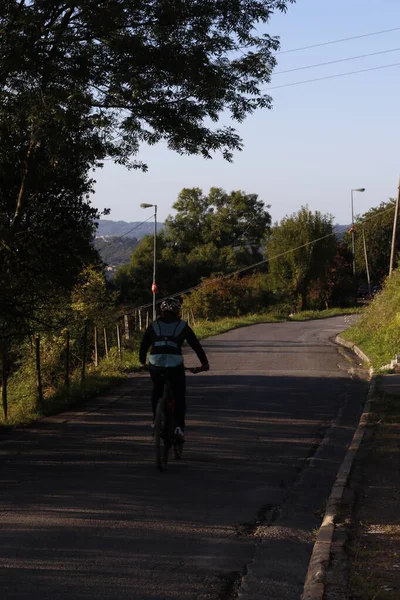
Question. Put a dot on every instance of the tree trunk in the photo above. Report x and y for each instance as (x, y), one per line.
(105, 341)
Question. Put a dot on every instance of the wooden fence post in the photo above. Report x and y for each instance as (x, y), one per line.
(126, 324)
(39, 402)
(4, 381)
(67, 361)
(96, 352)
(140, 320)
(105, 341)
(118, 341)
(85, 333)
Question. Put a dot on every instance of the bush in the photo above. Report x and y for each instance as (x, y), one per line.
(378, 330)
(229, 297)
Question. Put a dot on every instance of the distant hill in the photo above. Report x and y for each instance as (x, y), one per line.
(115, 251)
(116, 240)
(340, 230)
(134, 229)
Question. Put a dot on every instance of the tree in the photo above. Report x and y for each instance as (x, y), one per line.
(236, 220)
(301, 248)
(214, 234)
(378, 228)
(91, 300)
(134, 280)
(87, 80)
(137, 70)
(218, 297)
(336, 287)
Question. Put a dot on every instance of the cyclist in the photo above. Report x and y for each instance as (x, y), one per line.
(165, 336)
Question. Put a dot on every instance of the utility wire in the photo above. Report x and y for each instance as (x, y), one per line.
(333, 62)
(124, 234)
(275, 87)
(343, 229)
(356, 37)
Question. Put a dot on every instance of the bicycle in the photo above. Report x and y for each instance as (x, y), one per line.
(164, 424)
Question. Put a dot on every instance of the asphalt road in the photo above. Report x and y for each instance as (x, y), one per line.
(84, 513)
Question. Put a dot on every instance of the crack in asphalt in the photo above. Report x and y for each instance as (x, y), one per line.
(269, 514)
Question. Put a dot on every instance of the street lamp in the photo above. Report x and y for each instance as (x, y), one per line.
(154, 285)
(353, 242)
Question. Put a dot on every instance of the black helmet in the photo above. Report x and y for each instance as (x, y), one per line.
(171, 305)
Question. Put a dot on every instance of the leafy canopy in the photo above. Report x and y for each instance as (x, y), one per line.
(212, 234)
(139, 70)
(377, 224)
(234, 219)
(301, 248)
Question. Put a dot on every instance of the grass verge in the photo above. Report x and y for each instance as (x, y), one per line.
(377, 332)
(22, 397)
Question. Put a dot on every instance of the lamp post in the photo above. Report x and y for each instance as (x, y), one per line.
(154, 285)
(353, 242)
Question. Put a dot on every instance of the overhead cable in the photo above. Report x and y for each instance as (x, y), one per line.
(356, 37)
(276, 87)
(115, 239)
(343, 229)
(333, 62)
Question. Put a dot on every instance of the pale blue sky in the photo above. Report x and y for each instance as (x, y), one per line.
(320, 140)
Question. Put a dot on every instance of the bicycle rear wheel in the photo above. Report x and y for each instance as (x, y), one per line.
(159, 431)
(163, 430)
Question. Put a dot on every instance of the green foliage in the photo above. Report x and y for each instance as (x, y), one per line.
(301, 249)
(228, 297)
(83, 81)
(378, 330)
(236, 220)
(137, 71)
(378, 228)
(57, 398)
(91, 300)
(218, 233)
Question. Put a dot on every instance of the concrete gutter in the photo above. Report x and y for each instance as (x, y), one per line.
(314, 587)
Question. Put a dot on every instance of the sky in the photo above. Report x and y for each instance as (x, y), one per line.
(321, 139)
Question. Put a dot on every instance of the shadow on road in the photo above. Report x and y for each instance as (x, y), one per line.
(85, 514)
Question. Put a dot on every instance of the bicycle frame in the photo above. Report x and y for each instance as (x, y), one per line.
(164, 424)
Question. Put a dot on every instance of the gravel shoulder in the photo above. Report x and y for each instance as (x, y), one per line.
(366, 553)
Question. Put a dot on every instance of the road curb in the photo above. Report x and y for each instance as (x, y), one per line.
(351, 346)
(314, 586)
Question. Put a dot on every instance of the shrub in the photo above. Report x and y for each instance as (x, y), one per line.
(229, 297)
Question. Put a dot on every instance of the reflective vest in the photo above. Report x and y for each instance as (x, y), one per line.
(166, 347)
